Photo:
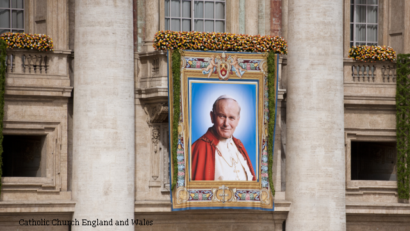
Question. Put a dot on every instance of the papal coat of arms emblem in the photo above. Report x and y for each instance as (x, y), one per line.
(223, 66)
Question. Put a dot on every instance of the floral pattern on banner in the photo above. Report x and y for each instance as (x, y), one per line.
(39, 42)
(372, 53)
(194, 40)
(248, 64)
(264, 164)
(200, 195)
(247, 195)
(180, 152)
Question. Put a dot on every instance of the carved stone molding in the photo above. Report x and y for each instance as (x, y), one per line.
(157, 113)
(159, 157)
(155, 154)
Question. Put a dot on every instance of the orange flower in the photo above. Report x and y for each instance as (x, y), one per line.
(218, 41)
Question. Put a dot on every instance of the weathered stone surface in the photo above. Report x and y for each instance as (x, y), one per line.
(104, 138)
(315, 179)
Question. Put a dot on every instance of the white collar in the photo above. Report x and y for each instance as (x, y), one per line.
(225, 141)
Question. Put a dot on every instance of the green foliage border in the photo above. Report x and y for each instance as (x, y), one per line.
(271, 124)
(176, 100)
(3, 46)
(403, 125)
(176, 93)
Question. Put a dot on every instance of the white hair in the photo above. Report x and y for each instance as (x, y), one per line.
(225, 97)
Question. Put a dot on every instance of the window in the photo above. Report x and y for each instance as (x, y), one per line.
(24, 156)
(363, 22)
(373, 161)
(11, 16)
(198, 15)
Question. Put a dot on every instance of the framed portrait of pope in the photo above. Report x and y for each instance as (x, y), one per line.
(222, 135)
(224, 141)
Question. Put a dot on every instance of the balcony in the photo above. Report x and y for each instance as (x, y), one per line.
(151, 79)
(369, 83)
(38, 73)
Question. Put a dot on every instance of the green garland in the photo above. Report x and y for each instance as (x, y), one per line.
(271, 123)
(176, 86)
(3, 46)
(403, 125)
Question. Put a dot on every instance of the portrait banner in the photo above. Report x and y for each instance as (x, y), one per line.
(221, 136)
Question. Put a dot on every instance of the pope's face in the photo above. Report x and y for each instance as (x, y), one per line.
(225, 118)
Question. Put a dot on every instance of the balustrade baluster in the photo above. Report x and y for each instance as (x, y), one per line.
(353, 74)
(30, 63)
(23, 62)
(368, 73)
(364, 73)
(36, 63)
(45, 64)
(391, 70)
(384, 73)
(10, 63)
(7, 63)
(394, 73)
(40, 64)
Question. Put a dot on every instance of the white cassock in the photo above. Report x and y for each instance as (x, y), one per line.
(231, 166)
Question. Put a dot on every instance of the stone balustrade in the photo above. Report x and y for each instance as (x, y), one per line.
(35, 73)
(37, 63)
(151, 75)
(362, 72)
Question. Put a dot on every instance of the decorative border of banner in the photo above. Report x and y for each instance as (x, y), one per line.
(221, 194)
(190, 82)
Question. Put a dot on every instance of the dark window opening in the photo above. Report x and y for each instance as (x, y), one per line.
(24, 156)
(373, 161)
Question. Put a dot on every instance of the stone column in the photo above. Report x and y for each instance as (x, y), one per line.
(151, 23)
(103, 130)
(315, 175)
(251, 17)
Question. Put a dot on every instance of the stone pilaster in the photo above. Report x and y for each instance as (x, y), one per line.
(315, 175)
(276, 15)
(251, 17)
(151, 23)
(103, 130)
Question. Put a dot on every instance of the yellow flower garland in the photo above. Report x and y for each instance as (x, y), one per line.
(193, 40)
(39, 42)
(372, 53)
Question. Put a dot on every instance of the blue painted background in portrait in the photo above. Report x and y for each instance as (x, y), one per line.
(204, 95)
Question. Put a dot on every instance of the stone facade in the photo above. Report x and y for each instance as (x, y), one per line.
(46, 95)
